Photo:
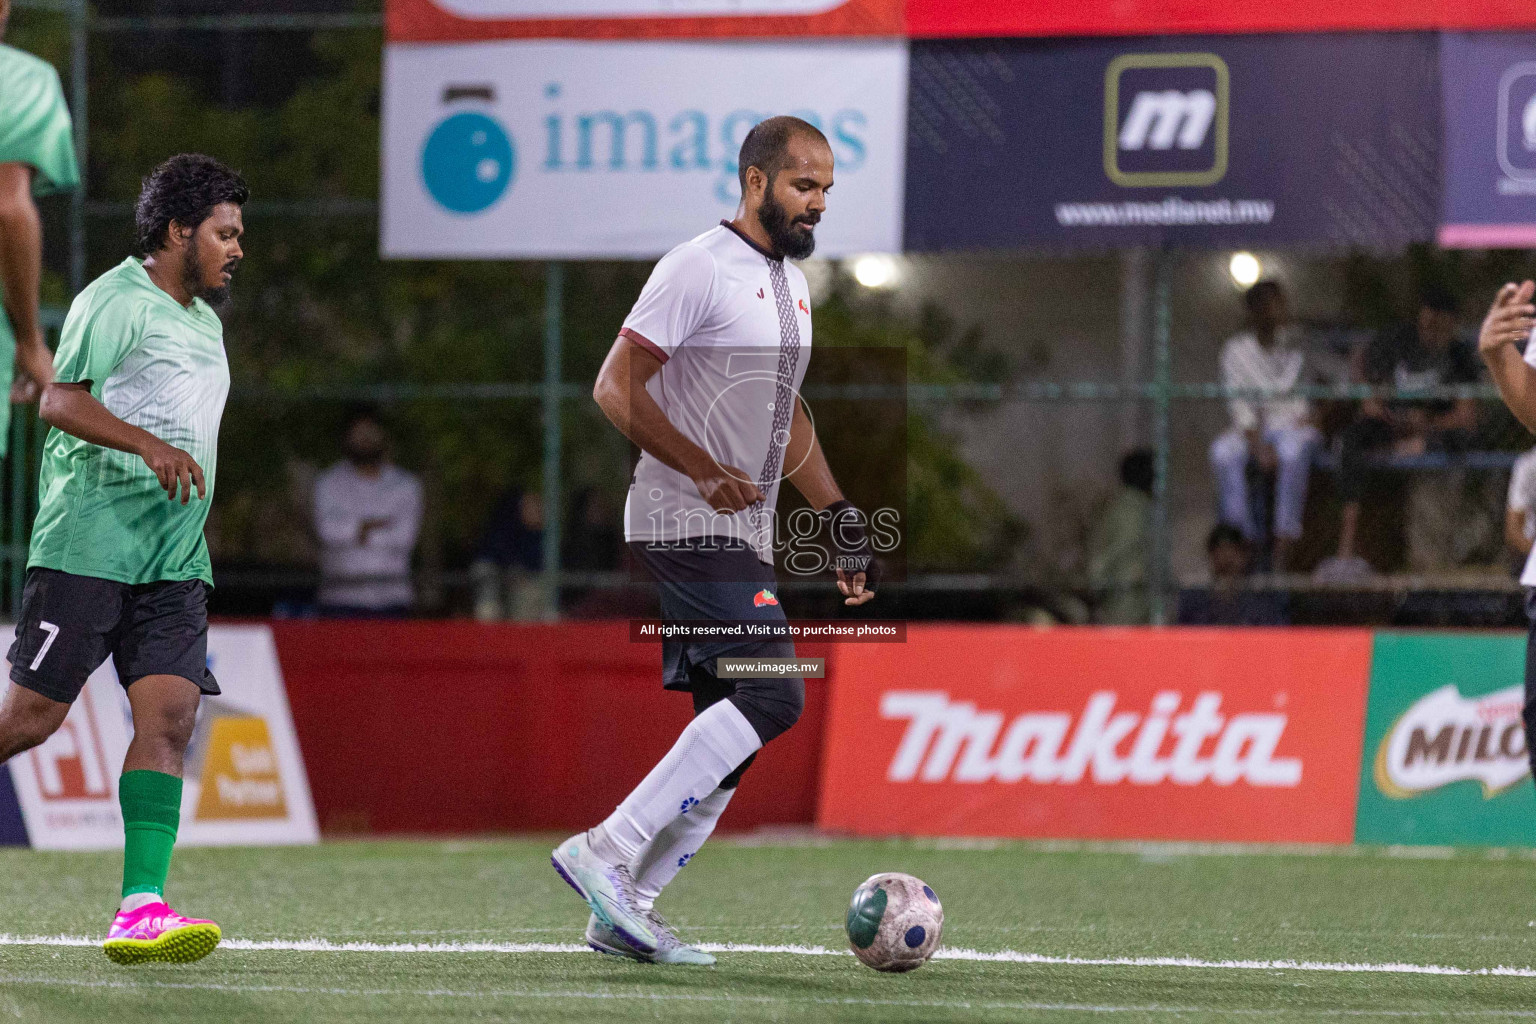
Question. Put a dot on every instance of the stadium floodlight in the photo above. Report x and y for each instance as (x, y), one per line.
(876, 270)
(1245, 269)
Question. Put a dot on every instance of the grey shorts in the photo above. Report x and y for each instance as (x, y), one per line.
(702, 579)
(70, 624)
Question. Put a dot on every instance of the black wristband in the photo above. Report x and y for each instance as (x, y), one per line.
(853, 553)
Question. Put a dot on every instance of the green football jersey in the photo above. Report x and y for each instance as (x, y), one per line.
(158, 365)
(34, 129)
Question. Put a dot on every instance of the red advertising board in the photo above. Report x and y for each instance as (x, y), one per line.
(452, 20)
(970, 18)
(464, 727)
(449, 20)
(1250, 736)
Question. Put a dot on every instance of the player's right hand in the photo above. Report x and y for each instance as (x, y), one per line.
(726, 488)
(1509, 319)
(176, 471)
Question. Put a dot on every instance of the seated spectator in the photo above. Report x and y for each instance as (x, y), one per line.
(1520, 513)
(1227, 601)
(1119, 544)
(1423, 354)
(506, 567)
(1275, 433)
(367, 515)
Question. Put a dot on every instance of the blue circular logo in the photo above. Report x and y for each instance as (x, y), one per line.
(915, 936)
(468, 162)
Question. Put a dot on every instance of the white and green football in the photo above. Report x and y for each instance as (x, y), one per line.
(894, 922)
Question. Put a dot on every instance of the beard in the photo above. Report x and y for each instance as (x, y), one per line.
(787, 239)
(216, 296)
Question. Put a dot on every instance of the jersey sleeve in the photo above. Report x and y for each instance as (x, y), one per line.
(95, 341)
(673, 302)
(36, 130)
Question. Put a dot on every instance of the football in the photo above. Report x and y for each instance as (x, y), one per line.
(894, 922)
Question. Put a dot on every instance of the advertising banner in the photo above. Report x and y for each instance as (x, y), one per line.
(245, 782)
(566, 150)
(464, 20)
(1219, 140)
(1239, 735)
(1490, 140)
(1445, 759)
(955, 18)
(441, 20)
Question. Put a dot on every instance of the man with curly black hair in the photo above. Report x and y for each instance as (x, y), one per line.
(118, 564)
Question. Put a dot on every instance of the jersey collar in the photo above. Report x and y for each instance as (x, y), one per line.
(739, 234)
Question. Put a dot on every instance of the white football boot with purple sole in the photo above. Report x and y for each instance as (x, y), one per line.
(669, 948)
(608, 890)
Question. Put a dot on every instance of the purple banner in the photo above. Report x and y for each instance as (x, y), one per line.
(1327, 139)
(1489, 100)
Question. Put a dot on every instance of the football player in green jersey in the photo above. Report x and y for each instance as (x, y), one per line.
(118, 565)
(37, 157)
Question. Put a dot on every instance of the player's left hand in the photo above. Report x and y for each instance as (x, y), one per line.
(852, 548)
(1509, 319)
(854, 590)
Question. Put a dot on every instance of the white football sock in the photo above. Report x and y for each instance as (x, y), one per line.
(137, 900)
(664, 856)
(710, 748)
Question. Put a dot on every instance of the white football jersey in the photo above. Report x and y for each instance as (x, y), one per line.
(731, 324)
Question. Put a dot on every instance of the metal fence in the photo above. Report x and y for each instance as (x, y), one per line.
(1158, 394)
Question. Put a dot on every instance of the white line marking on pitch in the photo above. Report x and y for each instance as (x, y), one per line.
(706, 997)
(946, 953)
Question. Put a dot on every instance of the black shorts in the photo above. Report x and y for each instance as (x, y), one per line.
(69, 624)
(715, 580)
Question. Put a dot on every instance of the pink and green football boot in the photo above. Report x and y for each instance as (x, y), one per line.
(155, 933)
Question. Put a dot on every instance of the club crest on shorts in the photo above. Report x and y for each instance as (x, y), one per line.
(763, 597)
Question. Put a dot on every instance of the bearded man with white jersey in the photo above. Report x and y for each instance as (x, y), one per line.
(704, 377)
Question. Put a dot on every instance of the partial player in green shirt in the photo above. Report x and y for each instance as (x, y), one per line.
(118, 564)
(37, 157)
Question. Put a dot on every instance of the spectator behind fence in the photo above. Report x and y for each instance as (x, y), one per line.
(1520, 512)
(1119, 544)
(367, 516)
(1275, 433)
(511, 554)
(1228, 601)
(1423, 354)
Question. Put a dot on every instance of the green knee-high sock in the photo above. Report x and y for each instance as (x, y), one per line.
(151, 803)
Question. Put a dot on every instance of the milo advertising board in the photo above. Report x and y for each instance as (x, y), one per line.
(1445, 756)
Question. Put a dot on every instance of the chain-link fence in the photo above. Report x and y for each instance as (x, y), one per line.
(1031, 378)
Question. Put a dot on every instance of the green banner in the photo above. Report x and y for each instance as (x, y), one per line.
(1444, 760)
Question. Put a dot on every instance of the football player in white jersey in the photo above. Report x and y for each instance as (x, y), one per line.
(704, 378)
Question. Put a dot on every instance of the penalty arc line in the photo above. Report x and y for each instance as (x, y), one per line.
(945, 953)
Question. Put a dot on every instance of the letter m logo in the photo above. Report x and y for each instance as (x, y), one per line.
(1166, 120)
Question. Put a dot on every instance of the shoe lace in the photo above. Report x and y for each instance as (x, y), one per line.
(666, 937)
(624, 882)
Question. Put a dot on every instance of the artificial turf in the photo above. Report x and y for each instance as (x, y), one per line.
(1468, 910)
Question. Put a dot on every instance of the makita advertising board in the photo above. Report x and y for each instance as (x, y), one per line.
(245, 781)
(1243, 735)
(1490, 140)
(1195, 140)
(551, 149)
(1445, 756)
